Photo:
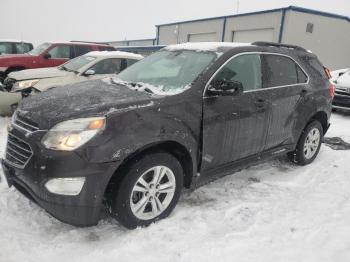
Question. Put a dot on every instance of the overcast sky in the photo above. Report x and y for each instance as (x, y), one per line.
(106, 20)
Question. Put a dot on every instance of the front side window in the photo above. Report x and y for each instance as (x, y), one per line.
(245, 69)
(282, 71)
(169, 71)
(40, 49)
(5, 48)
(60, 52)
(107, 66)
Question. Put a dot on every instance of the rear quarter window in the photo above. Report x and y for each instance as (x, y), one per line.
(281, 71)
(315, 66)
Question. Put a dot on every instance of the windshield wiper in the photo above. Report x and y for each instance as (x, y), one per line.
(68, 70)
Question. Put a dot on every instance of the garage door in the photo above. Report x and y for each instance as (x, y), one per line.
(249, 36)
(202, 37)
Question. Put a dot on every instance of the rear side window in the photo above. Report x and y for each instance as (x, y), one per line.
(130, 62)
(245, 69)
(107, 66)
(106, 48)
(81, 50)
(22, 48)
(281, 71)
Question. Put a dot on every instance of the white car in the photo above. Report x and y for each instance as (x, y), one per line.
(93, 65)
(341, 80)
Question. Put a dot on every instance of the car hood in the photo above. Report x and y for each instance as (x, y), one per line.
(86, 99)
(39, 73)
(344, 80)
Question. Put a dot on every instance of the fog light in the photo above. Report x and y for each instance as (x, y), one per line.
(65, 186)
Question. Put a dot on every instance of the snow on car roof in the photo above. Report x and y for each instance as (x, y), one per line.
(13, 41)
(204, 46)
(115, 54)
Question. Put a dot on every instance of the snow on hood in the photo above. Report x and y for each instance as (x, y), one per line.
(39, 73)
(204, 46)
(344, 80)
(84, 99)
(145, 87)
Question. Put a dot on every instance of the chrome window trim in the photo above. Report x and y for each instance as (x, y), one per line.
(260, 89)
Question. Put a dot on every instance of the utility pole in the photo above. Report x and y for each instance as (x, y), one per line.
(237, 6)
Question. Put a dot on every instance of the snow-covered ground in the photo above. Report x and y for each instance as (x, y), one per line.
(272, 212)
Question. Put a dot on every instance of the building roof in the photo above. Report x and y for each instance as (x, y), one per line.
(289, 8)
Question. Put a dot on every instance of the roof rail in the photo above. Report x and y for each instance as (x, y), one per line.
(260, 43)
(90, 42)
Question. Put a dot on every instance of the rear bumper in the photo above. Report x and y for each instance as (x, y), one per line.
(82, 210)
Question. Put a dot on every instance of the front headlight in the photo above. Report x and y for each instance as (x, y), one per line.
(72, 134)
(25, 84)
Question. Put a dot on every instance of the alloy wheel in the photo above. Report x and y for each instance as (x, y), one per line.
(152, 192)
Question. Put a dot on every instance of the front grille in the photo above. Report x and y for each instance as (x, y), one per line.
(18, 152)
(9, 82)
(342, 91)
(25, 124)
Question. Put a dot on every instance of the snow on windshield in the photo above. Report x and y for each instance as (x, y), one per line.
(145, 87)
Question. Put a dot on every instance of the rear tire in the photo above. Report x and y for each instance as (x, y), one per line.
(309, 144)
(149, 190)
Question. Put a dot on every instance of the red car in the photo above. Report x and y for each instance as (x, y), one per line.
(47, 55)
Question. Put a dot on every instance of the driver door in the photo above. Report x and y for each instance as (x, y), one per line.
(235, 126)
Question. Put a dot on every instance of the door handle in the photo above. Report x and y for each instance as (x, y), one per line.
(304, 92)
(260, 103)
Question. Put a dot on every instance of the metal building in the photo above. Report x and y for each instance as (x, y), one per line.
(326, 34)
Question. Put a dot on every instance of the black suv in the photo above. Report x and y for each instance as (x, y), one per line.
(179, 118)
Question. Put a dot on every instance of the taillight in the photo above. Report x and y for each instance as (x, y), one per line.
(328, 73)
(331, 91)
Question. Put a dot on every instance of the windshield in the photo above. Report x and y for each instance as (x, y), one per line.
(168, 71)
(77, 63)
(39, 49)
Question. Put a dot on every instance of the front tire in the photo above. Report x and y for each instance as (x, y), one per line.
(309, 144)
(149, 190)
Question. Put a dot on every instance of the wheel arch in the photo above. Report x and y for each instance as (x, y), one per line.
(179, 151)
(322, 117)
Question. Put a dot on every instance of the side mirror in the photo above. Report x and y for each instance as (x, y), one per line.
(225, 88)
(89, 72)
(47, 56)
(340, 74)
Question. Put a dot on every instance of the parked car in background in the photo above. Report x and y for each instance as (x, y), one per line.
(93, 65)
(14, 47)
(341, 80)
(178, 118)
(47, 55)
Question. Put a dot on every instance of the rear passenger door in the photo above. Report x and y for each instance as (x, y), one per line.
(81, 50)
(234, 127)
(286, 83)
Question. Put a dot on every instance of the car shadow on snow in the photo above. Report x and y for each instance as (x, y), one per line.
(336, 143)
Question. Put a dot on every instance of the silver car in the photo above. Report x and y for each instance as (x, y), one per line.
(93, 65)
